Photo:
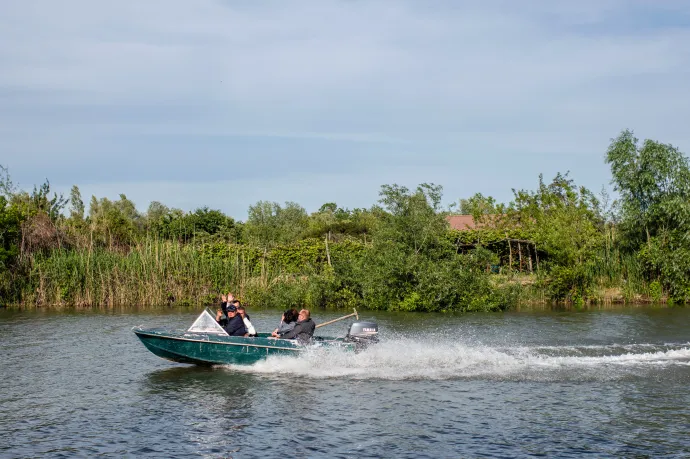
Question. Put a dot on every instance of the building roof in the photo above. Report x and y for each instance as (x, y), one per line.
(461, 222)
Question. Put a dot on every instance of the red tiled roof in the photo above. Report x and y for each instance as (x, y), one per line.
(461, 222)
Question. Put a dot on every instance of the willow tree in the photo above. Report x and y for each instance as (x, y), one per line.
(653, 180)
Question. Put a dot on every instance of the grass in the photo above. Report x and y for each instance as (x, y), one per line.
(151, 273)
(157, 272)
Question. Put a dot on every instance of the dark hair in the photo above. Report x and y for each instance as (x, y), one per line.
(290, 316)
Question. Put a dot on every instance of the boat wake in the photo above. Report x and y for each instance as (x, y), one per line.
(414, 359)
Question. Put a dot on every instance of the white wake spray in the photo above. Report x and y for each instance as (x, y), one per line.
(410, 359)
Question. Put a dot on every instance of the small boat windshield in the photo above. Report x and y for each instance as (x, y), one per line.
(206, 323)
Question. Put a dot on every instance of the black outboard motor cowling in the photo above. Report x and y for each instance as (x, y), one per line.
(363, 334)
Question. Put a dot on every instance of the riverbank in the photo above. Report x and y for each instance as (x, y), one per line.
(533, 291)
(313, 273)
(68, 283)
(557, 244)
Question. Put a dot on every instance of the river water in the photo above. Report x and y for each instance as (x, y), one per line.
(597, 383)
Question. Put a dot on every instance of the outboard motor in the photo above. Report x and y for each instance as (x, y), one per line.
(362, 334)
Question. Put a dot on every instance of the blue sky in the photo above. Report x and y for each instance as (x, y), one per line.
(224, 103)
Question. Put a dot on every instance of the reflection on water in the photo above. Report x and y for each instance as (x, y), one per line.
(185, 378)
(608, 383)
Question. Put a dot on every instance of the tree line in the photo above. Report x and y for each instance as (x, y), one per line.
(399, 254)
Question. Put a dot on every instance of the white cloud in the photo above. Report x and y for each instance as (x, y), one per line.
(510, 88)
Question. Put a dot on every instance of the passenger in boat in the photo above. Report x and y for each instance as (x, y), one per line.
(225, 301)
(251, 331)
(228, 300)
(287, 323)
(235, 324)
(221, 314)
(304, 328)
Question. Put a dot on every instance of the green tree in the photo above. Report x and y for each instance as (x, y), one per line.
(412, 264)
(7, 187)
(413, 219)
(76, 204)
(114, 223)
(562, 218)
(269, 224)
(654, 183)
(210, 221)
(156, 212)
(339, 222)
(39, 202)
(653, 180)
(10, 232)
(479, 206)
(565, 222)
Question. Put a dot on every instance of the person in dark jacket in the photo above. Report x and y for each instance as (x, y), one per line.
(287, 323)
(304, 329)
(222, 312)
(235, 324)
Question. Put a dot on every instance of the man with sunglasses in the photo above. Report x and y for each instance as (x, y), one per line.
(235, 325)
(228, 317)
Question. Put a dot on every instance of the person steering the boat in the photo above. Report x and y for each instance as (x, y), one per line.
(304, 328)
(234, 324)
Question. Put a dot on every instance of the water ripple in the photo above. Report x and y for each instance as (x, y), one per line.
(493, 390)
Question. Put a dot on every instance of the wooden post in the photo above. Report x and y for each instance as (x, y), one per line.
(328, 252)
(536, 256)
(21, 249)
(520, 256)
(510, 256)
(264, 275)
(530, 259)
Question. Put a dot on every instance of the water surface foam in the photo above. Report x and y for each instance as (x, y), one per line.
(400, 359)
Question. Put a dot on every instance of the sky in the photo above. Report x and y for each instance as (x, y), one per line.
(224, 103)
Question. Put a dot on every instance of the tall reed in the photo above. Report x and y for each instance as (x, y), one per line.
(156, 272)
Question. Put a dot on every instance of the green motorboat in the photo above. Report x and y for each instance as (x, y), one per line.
(207, 343)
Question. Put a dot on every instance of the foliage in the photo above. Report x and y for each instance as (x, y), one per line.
(10, 237)
(10, 233)
(76, 204)
(480, 207)
(113, 223)
(571, 283)
(39, 202)
(654, 183)
(412, 265)
(7, 186)
(563, 219)
(335, 222)
(269, 224)
(397, 255)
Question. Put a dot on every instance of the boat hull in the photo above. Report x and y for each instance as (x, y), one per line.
(210, 349)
